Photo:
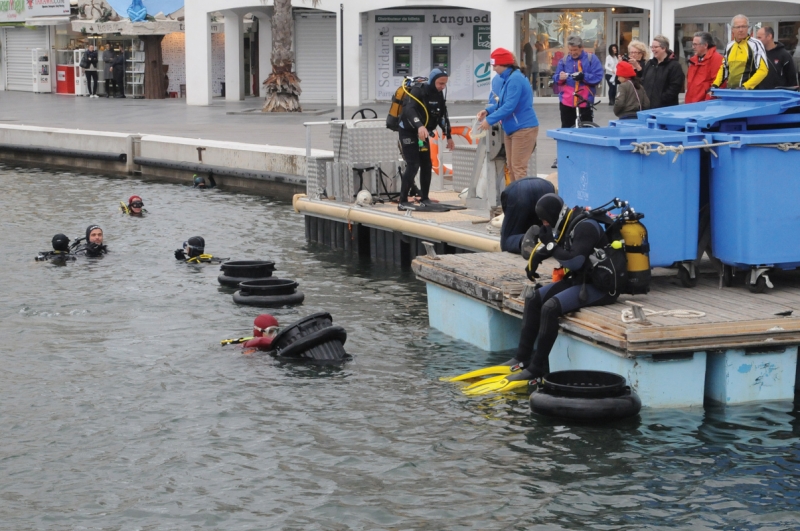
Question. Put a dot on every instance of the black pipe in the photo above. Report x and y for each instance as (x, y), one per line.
(284, 178)
(61, 152)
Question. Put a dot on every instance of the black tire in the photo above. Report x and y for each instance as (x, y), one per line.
(268, 301)
(268, 287)
(321, 347)
(759, 287)
(728, 275)
(233, 282)
(586, 409)
(252, 269)
(686, 280)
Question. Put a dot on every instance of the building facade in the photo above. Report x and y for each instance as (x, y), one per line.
(381, 41)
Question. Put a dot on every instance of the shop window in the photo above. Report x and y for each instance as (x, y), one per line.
(682, 45)
(543, 40)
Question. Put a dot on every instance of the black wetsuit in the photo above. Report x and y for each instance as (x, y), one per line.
(55, 256)
(413, 117)
(519, 208)
(548, 303)
(91, 250)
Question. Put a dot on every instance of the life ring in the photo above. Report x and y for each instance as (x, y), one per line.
(462, 131)
(268, 293)
(312, 339)
(585, 396)
(235, 272)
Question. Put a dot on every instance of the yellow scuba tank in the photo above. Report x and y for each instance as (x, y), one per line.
(637, 252)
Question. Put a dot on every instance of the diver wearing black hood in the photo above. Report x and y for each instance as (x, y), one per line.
(193, 252)
(93, 246)
(60, 250)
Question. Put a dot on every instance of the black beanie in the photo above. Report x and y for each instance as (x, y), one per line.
(548, 208)
(60, 243)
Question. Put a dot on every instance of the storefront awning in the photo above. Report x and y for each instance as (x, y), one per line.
(47, 21)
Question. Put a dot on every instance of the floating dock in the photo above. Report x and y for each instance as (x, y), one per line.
(733, 347)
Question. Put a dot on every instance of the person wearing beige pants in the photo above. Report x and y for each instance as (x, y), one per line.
(514, 108)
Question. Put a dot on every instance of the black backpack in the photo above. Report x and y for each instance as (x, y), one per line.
(609, 264)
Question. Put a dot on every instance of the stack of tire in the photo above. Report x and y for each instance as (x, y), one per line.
(313, 339)
(593, 396)
(256, 286)
(238, 271)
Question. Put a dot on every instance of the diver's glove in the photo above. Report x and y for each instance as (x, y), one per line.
(179, 254)
(546, 235)
(541, 254)
(95, 249)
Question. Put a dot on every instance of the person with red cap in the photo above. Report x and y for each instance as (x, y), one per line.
(134, 207)
(514, 108)
(265, 328)
(631, 96)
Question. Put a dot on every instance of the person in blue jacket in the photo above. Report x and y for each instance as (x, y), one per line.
(514, 108)
(577, 76)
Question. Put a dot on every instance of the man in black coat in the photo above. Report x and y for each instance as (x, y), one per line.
(663, 76)
(119, 73)
(782, 72)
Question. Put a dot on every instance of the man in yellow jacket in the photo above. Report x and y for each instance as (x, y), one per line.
(745, 59)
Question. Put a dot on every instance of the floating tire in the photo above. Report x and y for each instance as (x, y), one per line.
(585, 396)
(268, 301)
(313, 339)
(235, 272)
(268, 293)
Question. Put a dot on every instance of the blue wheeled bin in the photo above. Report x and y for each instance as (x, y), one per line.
(596, 165)
(754, 192)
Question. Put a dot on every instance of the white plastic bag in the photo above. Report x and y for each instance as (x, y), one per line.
(477, 133)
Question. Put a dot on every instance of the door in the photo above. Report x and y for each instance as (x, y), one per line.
(627, 29)
(316, 52)
(19, 62)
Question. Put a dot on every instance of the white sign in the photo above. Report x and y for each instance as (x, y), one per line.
(47, 8)
(13, 10)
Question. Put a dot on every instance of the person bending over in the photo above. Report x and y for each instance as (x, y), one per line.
(520, 229)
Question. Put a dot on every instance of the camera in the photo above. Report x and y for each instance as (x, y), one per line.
(626, 57)
(575, 74)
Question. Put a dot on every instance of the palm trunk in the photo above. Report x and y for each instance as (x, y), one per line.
(283, 86)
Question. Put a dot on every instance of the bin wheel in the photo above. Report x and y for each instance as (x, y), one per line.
(759, 287)
(727, 276)
(686, 280)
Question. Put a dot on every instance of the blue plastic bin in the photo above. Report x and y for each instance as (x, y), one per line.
(755, 193)
(596, 165)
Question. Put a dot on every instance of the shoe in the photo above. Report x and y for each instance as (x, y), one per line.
(555, 164)
(529, 242)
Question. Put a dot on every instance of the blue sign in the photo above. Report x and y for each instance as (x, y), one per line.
(153, 6)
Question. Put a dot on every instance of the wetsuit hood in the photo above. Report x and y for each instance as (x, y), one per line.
(61, 243)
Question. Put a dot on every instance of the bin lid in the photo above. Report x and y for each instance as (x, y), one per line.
(772, 138)
(623, 138)
(730, 105)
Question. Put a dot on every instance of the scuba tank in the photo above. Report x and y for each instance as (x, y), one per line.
(637, 251)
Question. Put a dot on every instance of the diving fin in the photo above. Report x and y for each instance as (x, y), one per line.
(501, 386)
(504, 369)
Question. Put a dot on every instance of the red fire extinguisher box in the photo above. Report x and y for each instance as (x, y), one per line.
(65, 79)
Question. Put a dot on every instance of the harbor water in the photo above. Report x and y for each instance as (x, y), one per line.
(121, 411)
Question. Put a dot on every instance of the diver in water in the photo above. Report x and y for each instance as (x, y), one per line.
(193, 252)
(135, 206)
(93, 246)
(200, 182)
(60, 250)
(265, 328)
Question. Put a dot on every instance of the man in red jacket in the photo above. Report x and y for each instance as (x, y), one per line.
(703, 67)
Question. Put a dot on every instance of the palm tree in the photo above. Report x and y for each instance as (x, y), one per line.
(283, 85)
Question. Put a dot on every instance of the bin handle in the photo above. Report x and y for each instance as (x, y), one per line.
(646, 148)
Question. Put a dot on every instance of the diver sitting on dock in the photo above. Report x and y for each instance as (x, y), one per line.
(520, 230)
(134, 207)
(93, 246)
(424, 110)
(60, 250)
(570, 237)
(193, 252)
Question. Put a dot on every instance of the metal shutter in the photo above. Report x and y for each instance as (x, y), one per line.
(19, 61)
(315, 51)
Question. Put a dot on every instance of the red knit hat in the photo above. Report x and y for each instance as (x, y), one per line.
(502, 57)
(133, 198)
(625, 69)
(262, 322)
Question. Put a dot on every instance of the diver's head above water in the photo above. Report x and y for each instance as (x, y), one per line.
(135, 205)
(194, 246)
(61, 243)
(265, 325)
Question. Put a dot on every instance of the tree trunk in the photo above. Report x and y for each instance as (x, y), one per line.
(155, 82)
(283, 86)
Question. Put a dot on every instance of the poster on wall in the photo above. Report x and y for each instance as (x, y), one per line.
(466, 33)
(48, 8)
(13, 10)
